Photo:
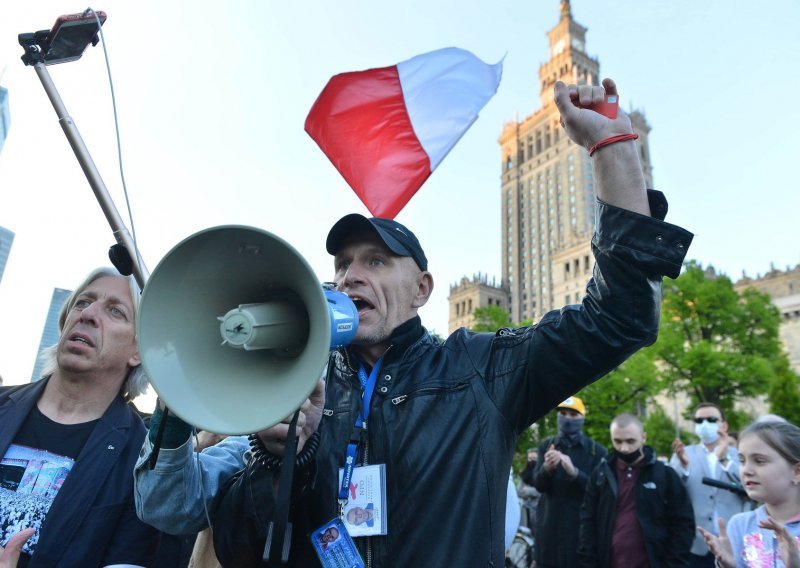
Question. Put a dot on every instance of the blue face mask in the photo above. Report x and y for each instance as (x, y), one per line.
(707, 431)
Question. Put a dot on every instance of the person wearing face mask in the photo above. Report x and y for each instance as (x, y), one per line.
(713, 457)
(561, 476)
(636, 512)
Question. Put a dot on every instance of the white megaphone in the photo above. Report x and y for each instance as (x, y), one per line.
(234, 329)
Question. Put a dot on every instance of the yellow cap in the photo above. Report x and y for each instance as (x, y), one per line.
(574, 403)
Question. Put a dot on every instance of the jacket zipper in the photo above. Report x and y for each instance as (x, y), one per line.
(366, 462)
(403, 397)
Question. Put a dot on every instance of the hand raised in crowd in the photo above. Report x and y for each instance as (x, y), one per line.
(680, 451)
(9, 556)
(619, 180)
(721, 450)
(552, 458)
(274, 438)
(786, 542)
(584, 126)
(719, 546)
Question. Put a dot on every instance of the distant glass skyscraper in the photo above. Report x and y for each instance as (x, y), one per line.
(6, 238)
(5, 116)
(50, 332)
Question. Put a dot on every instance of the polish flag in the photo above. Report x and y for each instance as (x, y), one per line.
(387, 129)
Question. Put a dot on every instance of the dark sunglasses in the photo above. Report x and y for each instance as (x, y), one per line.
(712, 419)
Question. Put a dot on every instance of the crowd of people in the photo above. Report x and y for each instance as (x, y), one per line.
(709, 505)
(19, 511)
(433, 424)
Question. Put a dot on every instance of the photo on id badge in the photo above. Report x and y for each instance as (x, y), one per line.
(365, 511)
(334, 547)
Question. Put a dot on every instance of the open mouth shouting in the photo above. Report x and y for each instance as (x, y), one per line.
(362, 305)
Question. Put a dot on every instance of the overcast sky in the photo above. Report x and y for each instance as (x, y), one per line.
(212, 98)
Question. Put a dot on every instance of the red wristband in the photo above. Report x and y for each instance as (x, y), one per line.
(612, 140)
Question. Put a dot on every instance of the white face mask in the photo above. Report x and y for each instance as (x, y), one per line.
(707, 431)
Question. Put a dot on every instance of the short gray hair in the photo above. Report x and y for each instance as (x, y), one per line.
(136, 382)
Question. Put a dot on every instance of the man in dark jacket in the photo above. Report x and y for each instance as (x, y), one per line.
(561, 478)
(637, 512)
(444, 418)
(69, 441)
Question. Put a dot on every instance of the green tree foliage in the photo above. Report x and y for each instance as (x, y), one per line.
(625, 389)
(491, 318)
(784, 395)
(714, 343)
(528, 439)
(661, 432)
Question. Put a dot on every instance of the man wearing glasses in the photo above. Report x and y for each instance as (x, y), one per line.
(716, 458)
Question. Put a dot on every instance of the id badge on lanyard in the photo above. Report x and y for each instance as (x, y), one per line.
(362, 494)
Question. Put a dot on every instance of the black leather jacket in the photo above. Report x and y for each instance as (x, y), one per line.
(445, 417)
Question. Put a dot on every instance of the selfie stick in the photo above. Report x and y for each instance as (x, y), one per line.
(133, 264)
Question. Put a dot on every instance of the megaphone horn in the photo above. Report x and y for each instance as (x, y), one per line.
(234, 329)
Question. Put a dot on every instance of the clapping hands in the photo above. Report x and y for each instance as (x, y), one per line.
(553, 458)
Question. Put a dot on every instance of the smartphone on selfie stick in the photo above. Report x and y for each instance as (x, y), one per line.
(66, 41)
(71, 35)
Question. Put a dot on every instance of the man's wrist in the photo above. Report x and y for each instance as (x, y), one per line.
(176, 431)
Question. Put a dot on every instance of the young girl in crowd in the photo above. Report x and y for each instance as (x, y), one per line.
(769, 453)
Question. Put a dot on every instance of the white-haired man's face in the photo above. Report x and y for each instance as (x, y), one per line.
(99, 332)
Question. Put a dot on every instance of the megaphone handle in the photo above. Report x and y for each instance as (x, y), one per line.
(279, 530)
(159, 438)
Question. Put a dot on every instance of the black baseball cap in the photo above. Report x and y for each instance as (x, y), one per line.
(399, 239)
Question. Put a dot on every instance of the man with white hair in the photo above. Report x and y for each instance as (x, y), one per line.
(70, 440)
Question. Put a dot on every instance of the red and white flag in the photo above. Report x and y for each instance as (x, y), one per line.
(387, 129)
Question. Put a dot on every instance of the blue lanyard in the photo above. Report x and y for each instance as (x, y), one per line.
(367, 386)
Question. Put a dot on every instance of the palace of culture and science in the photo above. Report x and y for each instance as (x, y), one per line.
(548, 202)
(548, 209)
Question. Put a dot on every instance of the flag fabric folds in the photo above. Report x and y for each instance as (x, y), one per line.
(387, 129)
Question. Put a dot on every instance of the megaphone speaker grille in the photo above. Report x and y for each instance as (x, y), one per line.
(210, 385)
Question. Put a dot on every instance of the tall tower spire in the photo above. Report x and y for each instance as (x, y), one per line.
(566, 10)
(547, 193)
(568, 61)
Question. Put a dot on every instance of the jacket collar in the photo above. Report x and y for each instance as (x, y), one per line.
(403, 338)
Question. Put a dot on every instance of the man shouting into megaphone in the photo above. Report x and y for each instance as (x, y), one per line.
(425, 431)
